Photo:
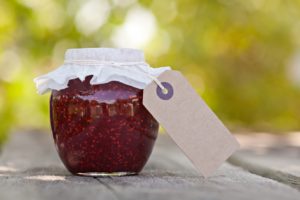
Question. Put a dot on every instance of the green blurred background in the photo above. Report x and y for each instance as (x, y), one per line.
(243, 57)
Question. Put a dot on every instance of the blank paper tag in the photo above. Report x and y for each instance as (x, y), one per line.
(190, 122)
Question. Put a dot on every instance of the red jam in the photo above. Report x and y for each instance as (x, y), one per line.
(102, 129)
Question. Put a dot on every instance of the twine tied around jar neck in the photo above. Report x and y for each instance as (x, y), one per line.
(118, 64)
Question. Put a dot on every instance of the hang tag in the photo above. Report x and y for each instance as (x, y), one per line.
(190, 122)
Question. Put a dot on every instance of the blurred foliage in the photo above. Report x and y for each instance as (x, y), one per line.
(237, 54)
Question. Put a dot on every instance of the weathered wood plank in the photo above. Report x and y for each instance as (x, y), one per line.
(31, 169)
(274, 157)
(169, 171)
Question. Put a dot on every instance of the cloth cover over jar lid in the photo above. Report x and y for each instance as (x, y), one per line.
(127, 66)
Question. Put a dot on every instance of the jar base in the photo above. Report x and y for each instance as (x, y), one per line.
(106, 174)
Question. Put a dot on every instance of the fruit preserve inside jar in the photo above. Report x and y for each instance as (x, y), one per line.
(102, 129)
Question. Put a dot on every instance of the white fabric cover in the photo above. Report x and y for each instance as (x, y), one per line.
(105, 64)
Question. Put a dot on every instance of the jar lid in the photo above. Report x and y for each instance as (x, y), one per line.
(105, 64)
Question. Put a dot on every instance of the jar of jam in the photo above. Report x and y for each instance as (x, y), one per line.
(99, 124)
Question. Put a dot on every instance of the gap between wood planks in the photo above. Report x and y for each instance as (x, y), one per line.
(267, 172)
(276, 157)
(31, 169)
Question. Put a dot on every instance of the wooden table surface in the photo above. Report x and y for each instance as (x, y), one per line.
(31, 169)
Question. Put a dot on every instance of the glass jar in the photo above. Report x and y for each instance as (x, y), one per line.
(99, 123)
(102, 129)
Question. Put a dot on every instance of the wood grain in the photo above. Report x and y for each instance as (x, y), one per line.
(271, 156)
(31, 169)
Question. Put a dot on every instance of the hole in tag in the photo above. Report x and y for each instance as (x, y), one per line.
(166, 93)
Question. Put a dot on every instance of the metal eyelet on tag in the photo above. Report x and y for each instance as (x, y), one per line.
(167, 94)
